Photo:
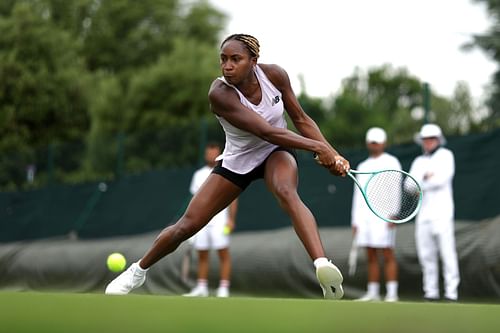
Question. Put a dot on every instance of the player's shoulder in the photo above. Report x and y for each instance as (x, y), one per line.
(221, 94)
(218, 89)
(275, 73)
(271, 69)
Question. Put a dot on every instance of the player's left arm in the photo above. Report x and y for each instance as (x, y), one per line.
(306, 126)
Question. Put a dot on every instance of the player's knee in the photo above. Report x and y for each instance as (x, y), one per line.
(285, 193)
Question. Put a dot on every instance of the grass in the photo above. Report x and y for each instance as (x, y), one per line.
(89, 313)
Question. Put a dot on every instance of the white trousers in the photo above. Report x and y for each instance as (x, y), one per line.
(436, 240)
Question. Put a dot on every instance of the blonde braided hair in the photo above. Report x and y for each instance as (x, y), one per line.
(251, 43)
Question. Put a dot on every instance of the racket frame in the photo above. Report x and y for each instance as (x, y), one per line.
(352, 173)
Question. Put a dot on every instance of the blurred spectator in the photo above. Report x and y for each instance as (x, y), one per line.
(370, 232)
(434, 230)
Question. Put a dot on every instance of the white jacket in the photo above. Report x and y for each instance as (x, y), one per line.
(437, 202)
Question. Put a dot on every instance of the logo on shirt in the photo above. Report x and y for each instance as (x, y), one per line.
(275, 100)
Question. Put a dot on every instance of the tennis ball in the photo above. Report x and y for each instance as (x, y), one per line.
(116, 262)
(226, 230)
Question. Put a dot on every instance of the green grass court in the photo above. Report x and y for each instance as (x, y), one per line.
(89, 313)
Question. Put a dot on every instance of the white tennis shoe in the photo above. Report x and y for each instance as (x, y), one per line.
(391, 298)
(124, 283)
(368, 298)
(222, 292)
(197, 292)
(330, 279)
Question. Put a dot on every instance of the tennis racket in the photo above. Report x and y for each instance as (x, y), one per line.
(353, 257)
(392, 195)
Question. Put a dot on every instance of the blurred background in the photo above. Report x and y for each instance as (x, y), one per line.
(104, 116)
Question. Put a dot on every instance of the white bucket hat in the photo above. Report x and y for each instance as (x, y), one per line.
(430, 131)
(376, 134)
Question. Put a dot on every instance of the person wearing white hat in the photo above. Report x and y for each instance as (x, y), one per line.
(377, 236)
(434, 229)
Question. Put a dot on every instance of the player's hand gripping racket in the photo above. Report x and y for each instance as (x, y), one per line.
(392, 195)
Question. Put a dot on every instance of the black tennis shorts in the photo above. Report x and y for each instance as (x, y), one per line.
(243, 180)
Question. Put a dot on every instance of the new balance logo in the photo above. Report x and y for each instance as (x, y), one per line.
(275, 100)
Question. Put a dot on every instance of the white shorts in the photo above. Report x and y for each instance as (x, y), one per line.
(211, 237)
(376, 234)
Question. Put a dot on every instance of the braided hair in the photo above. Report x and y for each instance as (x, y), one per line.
(251, 43)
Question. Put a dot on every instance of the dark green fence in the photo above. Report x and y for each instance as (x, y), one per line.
(149, 201)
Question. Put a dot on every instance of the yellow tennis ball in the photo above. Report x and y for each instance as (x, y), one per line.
(116, 262)
(227, 230)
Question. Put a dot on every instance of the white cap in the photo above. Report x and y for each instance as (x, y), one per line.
(376, 134)
(430, 131)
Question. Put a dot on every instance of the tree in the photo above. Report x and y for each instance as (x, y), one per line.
(87, 70)
(165, 104)
(464, 117)
(164, 57)
(42, 89)
(383, 97)
(392, 98)
(489, 42)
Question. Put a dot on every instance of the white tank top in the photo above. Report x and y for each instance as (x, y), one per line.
(244, 151)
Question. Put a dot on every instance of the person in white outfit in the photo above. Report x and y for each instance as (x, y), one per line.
(369, 231)
(434, 230)
(250, 100)
(215, 235)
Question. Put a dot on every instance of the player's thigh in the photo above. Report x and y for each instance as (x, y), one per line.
(214, 195)
(281, 172)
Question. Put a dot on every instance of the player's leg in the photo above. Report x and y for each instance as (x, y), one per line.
(281, 178)
(391, 275)
(215, 194)
(225, 272)
(373, 285)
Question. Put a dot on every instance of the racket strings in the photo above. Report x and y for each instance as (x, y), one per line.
(392, 195)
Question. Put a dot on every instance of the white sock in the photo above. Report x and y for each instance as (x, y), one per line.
(373, 288)
(392, 288)
(320, 261)
(224, 284)
(202, 283)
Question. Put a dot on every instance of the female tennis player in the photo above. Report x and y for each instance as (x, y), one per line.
(249, 100)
